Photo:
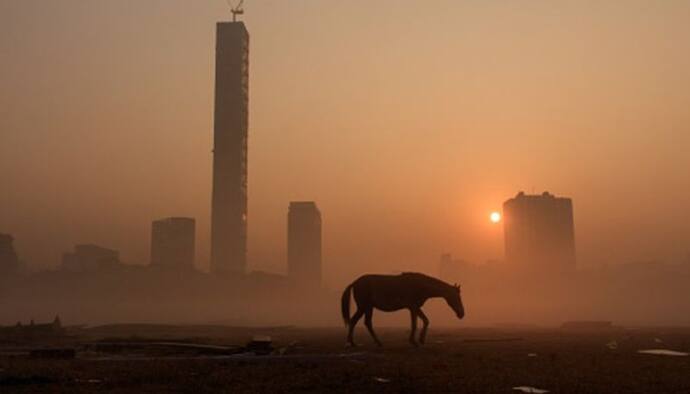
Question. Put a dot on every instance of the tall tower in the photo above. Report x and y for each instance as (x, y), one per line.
(304, 243)
(539, 232)
(229, 201)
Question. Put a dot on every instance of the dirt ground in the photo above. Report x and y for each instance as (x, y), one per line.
(467, 360)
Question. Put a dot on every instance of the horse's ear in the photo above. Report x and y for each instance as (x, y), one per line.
(457, 286)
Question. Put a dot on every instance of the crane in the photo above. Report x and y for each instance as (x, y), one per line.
(236, 10)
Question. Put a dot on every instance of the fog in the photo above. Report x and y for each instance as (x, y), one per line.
(407, 122)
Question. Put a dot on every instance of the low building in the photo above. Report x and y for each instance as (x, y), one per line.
(33, 331)
(90, 258)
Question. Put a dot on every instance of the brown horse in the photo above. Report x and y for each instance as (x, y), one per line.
(389, 293)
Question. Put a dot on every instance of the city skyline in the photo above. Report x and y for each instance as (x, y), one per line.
(456, 168)
(317, 196)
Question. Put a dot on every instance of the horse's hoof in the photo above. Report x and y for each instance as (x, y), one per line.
(350, 344)
(413, 343)
(379, 344)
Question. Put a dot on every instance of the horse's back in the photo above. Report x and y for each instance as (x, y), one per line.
(385, 292)
(370, 281)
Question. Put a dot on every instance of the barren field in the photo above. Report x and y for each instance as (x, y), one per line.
(139, 358)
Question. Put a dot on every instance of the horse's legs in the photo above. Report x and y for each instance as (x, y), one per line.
(413, 318)
(370, 327)
(425, 322)
(351, 325)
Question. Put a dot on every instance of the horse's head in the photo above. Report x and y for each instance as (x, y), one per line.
(455, 301)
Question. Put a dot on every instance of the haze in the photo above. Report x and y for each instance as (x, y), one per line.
(409, 122)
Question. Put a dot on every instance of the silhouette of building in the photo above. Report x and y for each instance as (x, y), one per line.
(304, 243)
(172, 243)
(90, 258)
(33, 331)
(539, 232)
(229, 200)
(9, 262)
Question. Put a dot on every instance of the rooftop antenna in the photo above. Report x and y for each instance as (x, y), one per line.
(236, 10)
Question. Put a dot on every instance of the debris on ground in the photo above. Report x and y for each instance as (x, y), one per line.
(664, 352)
(382, 380)
(531, 354)
(93, 381)
(158, 349)
(260, 345)
(613, 345)
(529, 389)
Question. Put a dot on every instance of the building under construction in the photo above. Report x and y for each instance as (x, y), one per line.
(229, 201)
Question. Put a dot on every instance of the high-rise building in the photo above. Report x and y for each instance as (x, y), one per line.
(304, 243)
(229, 201)
(172, 243)
(539, 232)
(9, 262)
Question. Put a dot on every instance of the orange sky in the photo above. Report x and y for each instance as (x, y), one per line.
(407, 121)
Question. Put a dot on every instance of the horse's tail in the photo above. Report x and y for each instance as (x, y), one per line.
(345, 304)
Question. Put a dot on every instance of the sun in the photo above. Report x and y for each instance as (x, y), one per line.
(495, 217)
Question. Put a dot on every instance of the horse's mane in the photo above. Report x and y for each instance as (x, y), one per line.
(428, 278)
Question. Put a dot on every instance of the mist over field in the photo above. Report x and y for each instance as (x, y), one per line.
(476, 196)
(408, 124)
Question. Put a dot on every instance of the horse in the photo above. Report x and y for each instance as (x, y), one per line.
(389, 293)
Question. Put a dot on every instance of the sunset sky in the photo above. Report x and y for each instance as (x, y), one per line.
(408, 122)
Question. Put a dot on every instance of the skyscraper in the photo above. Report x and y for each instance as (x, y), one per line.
(539, 232)
(304, 243)
(229, 201)
(172, 243)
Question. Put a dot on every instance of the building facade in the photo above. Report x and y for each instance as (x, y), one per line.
(304, 243)
(173, 243)
(229, 200)
(539, 232)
